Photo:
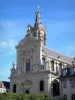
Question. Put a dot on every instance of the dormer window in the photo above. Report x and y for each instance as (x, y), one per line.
(64, 72)
(28, 65)
(71, 71)
(74, 69)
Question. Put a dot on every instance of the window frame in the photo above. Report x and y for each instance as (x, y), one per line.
(71, 71)
(27, 65)
(72, 83)
(64, 72)
(64, 84)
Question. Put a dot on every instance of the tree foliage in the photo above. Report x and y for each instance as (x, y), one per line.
(15, 96)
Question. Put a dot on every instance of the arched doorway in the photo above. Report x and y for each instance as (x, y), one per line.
(55, 88)
(14, 88)
(27, 91)
(41, 86)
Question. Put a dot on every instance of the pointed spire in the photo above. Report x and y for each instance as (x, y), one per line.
(37, 20)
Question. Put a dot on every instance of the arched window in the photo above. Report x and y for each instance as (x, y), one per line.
(43, 60)
(28, 65)
(27, 91)
(52, 65)
(14, 88)
(41, 86)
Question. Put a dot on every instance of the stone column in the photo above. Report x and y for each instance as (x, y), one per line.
(18, 87)
(11, 86)
(50, 64)
(57, 66)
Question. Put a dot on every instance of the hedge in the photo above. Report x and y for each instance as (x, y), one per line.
(15, 96)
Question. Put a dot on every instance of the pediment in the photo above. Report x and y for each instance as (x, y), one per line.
(27, 82)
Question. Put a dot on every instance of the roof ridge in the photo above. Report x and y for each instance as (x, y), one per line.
(58, 52)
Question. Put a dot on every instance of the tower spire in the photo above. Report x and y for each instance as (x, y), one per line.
(37, 19)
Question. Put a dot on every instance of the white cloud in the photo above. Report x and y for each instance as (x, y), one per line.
(8, 44)
(8, 47)
(6, 23)
(71, 48)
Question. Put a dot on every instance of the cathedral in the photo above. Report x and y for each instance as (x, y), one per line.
(37, 67)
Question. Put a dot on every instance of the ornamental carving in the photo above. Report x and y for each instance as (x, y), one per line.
(27, 52)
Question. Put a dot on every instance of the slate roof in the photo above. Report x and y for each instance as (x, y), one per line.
(56, 55)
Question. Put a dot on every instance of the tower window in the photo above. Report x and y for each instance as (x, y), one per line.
(43, 60)
(52, 65)
(34, 34)
(41, 86)
(28, 65)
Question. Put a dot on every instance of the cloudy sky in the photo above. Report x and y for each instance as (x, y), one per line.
(57, 15)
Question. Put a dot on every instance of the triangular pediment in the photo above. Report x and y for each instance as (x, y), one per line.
(27, 82)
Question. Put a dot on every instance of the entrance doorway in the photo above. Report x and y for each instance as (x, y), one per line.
(27, 91)
(14, 88)
(55, 87)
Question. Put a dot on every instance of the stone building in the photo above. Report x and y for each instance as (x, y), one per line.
(37, 66)
(67, 83)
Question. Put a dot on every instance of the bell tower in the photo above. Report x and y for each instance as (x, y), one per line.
(37, 30)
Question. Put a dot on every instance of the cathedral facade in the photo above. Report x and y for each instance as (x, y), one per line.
(37, 67)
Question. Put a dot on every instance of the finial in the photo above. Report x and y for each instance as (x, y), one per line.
(37, 20)
(13, 64)
(38, 7)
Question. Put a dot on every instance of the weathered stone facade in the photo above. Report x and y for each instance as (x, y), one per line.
(37, 67)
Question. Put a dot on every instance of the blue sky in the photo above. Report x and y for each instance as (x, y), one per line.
(57, 15)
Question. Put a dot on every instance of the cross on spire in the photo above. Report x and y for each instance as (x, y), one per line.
(37, 20)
